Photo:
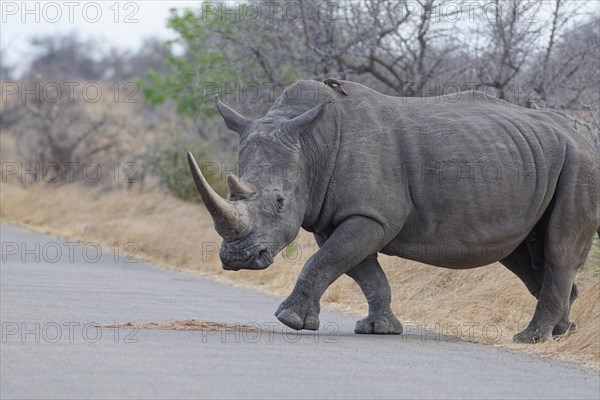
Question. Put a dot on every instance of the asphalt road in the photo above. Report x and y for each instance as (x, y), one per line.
(53, 293)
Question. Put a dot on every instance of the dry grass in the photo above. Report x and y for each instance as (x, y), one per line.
(486, 305)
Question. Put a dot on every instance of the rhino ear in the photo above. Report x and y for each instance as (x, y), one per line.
(234, 121)
(303, 121)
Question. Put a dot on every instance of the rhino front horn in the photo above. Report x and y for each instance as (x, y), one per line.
(230, 218)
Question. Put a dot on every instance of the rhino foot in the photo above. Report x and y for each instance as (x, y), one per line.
(532, 334)
(383, 324)
(564, 327)
(298, 313)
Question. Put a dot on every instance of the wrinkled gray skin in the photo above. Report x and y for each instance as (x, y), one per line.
(458, 182)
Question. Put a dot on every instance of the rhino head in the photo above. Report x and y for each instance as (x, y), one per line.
(265, 206)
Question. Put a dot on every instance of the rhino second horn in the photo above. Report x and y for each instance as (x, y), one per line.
(239, 188)
(230, 218)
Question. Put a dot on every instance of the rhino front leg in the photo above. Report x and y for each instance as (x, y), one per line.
(374, 284)
(371, 279)
(344, 250)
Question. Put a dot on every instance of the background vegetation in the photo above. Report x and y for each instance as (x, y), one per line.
(538, 54)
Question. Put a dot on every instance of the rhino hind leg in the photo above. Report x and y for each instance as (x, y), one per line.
(568, 233)
(374, 284)
(551, 316)
(521, 263)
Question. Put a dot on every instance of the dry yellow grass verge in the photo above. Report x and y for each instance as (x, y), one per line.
(486, 305)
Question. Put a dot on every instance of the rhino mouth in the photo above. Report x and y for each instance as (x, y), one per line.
(256, 260)
(264, 259)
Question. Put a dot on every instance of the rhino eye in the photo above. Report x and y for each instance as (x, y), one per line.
(279, 202)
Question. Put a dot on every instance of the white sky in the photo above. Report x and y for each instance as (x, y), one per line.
(17, 26)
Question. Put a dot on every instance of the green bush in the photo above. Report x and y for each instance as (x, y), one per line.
(168, 161)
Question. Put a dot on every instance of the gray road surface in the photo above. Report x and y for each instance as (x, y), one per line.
(51, 348)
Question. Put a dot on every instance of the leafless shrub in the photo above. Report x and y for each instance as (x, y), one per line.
(71, 139)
